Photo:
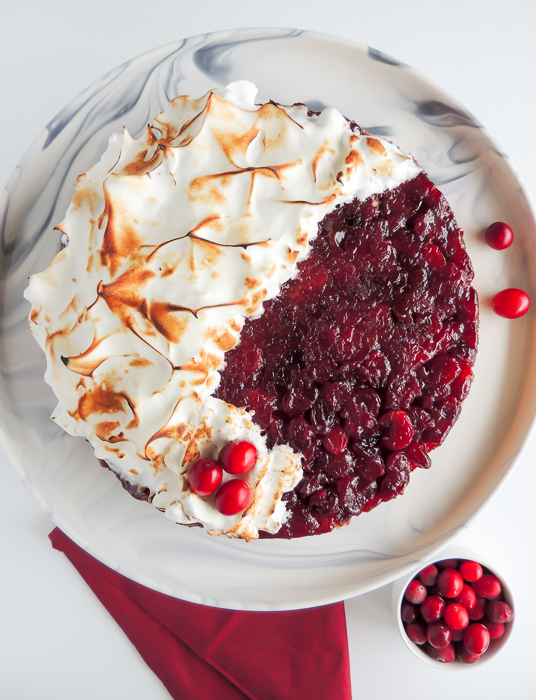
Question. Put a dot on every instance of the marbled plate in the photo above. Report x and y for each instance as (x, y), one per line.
(387, 98)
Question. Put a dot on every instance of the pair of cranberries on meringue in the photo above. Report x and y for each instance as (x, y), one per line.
(206, 476)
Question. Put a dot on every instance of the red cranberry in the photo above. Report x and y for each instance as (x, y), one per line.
(415, 592)
(232, 496)
(499, 235)
(495, 629)
(467, 597)
(301, 433)
(438, 634)
(476, 638)
(447, 564)
(499, 611)
(409, 612)
(511, 303)
(336, 440)
(478, 610)
(456, 616)
(466, 656)
(416, 631)
(433, 255)
(238, 457)
(471, 570)
(294, 403)
(397, 429)
(429, 575)
(450, 583)
(487, 586)
(396, 477)
(432, 608)
(446, 654)
(205, 476)
(456, 635)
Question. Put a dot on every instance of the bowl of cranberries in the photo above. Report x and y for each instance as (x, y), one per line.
(454, 612)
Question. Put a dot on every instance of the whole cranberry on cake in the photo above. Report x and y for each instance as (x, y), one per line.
(268, 284)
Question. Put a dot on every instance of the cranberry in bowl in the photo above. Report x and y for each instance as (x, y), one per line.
(455, 611)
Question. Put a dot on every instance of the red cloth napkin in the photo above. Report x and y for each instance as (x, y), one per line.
(202, 653)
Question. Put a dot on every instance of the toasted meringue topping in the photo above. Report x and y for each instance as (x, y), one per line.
(174, 239)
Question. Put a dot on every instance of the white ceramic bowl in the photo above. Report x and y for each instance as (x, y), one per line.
(399, 588)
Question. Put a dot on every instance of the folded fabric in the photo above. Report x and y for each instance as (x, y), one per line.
(199, 652)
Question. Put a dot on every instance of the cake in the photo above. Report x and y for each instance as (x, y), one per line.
(264, 275)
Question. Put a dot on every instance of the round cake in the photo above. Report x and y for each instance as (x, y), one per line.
(262, 275)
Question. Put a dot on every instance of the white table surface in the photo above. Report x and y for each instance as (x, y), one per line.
(56, 640)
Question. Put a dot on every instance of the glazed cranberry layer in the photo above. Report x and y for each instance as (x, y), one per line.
(362, 361)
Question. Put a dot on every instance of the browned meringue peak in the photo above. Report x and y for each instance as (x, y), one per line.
(174, 239)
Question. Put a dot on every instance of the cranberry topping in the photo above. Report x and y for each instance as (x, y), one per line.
(397, 429)
(205, 476)
(232, 496)
(238, 457)
(363, 359)
(335, 441)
